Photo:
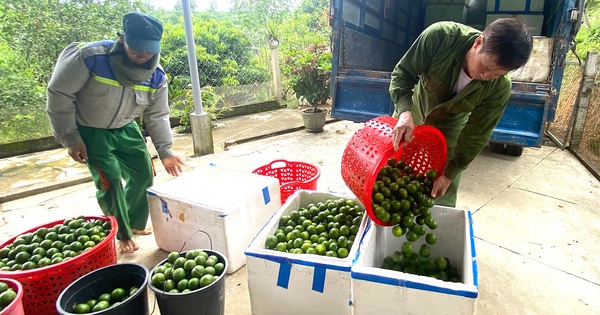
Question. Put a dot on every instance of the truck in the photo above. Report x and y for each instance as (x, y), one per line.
(370, 36)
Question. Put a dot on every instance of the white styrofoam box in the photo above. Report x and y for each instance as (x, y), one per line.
(537, 68)
(381, 291)
(229, 206)
(285, 283)
(533, 20)
(516, 5)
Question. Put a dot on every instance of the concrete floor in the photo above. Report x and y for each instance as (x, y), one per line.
(535, 217)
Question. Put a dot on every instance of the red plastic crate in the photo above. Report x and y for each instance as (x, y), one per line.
(42, 286)
(292, 176)
(371, 146)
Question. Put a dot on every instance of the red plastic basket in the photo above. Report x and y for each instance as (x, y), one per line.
(42, 286)
(292, 176)
(371, 146)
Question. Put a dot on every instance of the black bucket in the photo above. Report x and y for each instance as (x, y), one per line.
(104, 280)
(209, 300)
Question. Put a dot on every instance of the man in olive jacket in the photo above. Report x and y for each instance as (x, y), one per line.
(95, 93)
(455, 78)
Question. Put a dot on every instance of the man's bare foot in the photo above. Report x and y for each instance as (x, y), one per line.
(147, 231)
(126, 247)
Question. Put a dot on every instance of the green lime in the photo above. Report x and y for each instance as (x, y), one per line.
(194, 284)
(81, 231)
(172, 257)
(169, 285)
(117, 294)
(179, 274)
(29, 265)
(95, 238)
(56, 260)
(430, 238)
(211, 270)
(45, 261)
(64, 230)
(101, 305)
(133, 290)
(53, 236)
(200, 260)
(182, 285)
(206, 280)
(397, 231)
(3, 286)
(189, 265)
(4, 253)
(82, 308)
(22, 257)
(104, 297)
(441, 263)
(198, 271)
(158, 280)
(219, 267)
(179, 262)
(191, 254)
(7, 297)
(92, 302)
(424, 251)
(83, 238)
(41, 232)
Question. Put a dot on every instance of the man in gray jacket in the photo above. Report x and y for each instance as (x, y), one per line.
(95, 93)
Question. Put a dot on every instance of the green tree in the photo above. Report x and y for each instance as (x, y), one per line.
(40, 29)
(223, 52)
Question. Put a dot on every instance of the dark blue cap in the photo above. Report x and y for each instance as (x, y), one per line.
(142, 32)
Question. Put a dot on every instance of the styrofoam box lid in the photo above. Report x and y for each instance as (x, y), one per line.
(301, 198)
(214, 187)
(537, 68)
(454, 241)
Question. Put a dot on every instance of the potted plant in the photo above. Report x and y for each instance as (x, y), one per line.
(309, 73)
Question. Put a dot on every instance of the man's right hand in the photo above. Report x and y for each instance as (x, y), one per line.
(78, 152)
(403, 129)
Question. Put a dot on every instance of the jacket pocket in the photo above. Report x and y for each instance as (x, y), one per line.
(463, 106)
(433, 86)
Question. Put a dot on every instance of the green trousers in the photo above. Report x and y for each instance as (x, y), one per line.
(120, 165)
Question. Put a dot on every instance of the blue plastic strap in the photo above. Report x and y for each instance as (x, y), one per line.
(319, 279)
(266, 195)
(283, 279)
(165, 208)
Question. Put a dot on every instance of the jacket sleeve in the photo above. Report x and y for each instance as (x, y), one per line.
(69, 76)
(414, 63)
(156, 118)
(478, 129)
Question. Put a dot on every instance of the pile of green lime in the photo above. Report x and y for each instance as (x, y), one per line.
(48, 246)
(7, 295)
(402, 197)
(326, 228)
(421, 264)
(105, 300)
(187, 271)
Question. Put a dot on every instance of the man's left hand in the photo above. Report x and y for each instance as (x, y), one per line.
(173, 164)
(440, 186)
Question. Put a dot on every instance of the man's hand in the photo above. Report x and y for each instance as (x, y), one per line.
(78, 152)
(440, 186)
(173, 164)
(403, 129)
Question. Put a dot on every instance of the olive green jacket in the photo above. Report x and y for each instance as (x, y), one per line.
(423, 80)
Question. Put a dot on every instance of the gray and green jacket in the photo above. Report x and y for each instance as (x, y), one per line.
(83, 91)
(423, 81)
